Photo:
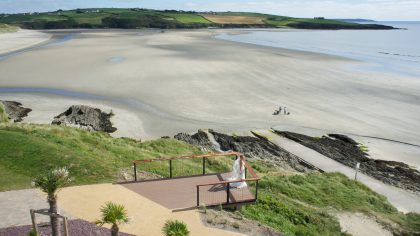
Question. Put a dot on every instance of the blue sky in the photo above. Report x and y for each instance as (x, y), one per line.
(371, 9)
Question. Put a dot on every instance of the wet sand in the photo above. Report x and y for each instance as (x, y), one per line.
(180, 81)
(21, 39)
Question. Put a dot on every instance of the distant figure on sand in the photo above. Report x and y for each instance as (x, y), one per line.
(278, 112)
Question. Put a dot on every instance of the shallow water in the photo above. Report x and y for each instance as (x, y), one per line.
(390, 51)
(57, 39)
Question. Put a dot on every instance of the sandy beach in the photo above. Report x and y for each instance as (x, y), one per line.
(21, 39)
(180, 81)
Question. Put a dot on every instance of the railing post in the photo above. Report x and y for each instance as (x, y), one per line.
(135, 171)
(170, 168)
(256, 191)
(198, 195)
(245, 172)
(66, 227)
(228, 193)
(34, 225)
(204, 165)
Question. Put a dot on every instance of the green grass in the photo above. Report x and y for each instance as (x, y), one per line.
(291, 218)
(299, 204)
(92, 157)
(4, 28)
(4, 118)
(139, 18)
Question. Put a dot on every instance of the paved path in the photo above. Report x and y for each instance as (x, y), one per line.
(401, 199)
(15, 206)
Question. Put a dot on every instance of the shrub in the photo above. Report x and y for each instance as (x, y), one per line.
(175, 228)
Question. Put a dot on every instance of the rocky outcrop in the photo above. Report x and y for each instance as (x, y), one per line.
(251, 147)
(199, 139)
(85, 117)
(15, 111)
(347, 151)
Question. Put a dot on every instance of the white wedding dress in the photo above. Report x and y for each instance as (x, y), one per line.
(237, 173)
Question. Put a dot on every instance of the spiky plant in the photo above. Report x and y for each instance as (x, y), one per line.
(113, 214)
(175, 228)
(51, 183)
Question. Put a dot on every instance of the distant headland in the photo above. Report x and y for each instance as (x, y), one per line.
(132, 18)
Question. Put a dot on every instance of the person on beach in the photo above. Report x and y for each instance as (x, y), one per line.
(285, 110)
(280, 110)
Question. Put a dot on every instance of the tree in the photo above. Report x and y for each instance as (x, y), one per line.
(175, 228)
(51, 183)
(113, 214)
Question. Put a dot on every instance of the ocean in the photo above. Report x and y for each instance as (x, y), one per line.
(390, 51)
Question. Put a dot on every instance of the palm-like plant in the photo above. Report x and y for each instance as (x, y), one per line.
(175, 228)
(113, 214)
(50, 183)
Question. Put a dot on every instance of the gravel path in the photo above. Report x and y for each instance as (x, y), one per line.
(76, 228)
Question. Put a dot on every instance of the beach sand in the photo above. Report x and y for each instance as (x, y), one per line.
(21, 39)
(181, 81)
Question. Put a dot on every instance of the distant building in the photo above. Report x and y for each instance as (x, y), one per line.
(319, 18)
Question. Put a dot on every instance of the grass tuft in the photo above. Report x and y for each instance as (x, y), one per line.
(4, 118)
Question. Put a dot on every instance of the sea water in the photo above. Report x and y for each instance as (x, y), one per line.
(393, 51)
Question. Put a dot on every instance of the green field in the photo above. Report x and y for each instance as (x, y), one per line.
(187, 18)
(146, 18)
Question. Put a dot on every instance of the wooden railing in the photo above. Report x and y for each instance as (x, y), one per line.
(236, 195)
(232, 196)
(171, 159)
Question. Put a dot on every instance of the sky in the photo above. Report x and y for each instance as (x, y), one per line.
(367, 9)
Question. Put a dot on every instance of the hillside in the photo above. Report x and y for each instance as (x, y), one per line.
(295, 204)
(145, 18)
(4, 28)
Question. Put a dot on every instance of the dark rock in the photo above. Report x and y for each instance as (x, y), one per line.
(15, 111)
(199, 139)
(262, 149)
(343, 138)
(85, 117)
(251, 147)
(346, 151)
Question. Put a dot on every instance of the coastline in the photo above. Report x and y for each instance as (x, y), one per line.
(156, 77)
(21, 39)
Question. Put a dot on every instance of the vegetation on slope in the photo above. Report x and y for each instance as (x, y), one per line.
(92, 157)
(4, 28)
(146, 18)
(3, 116)
(302, 204)
(292, 204)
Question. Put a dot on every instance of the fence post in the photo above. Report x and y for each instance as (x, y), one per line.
(256, 191)
(135, 172)
(228, 193)
(66, 227)
(170, 168)
(34, 225)
(204, 165)
(198, 195)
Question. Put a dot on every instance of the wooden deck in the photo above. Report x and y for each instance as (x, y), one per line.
(181, 193)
